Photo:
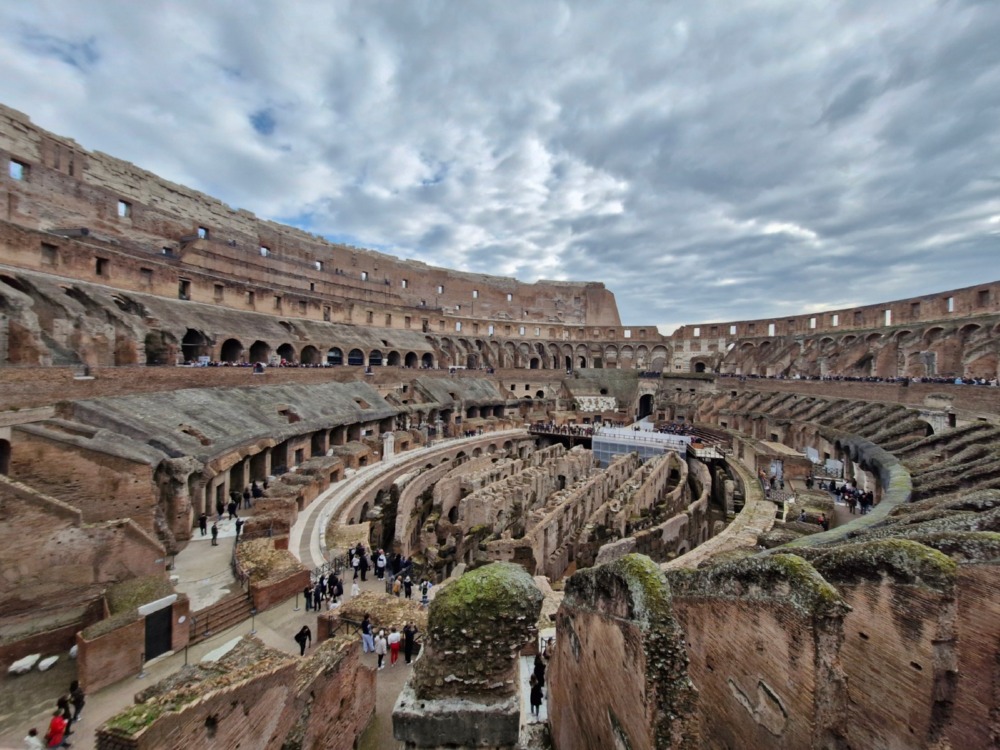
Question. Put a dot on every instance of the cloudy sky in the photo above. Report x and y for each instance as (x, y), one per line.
(707, 160)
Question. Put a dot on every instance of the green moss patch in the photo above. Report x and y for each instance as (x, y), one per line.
(904, 561)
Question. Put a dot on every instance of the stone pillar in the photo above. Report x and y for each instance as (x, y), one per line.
(388, 445)
(464, 689)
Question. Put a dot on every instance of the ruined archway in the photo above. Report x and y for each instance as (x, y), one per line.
(427, 361)
(232, 351)
(195, 344)
(393, 359)
(375, 358)
(335, 356)
(311, 356)
(410, 360)
(260, 352)
(161, 348)
(645, 405)
(355, 358)
(287, 353)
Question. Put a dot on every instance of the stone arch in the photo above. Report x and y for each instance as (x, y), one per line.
(698, 365)
(232, 350)
(161, 348)
(658, 358)
(334, 356)
(968, 331)
(195, 344)
(932, 334)
(260, 351)
(427, 360)
(539, 394)
(645, 405)
(355, 358)
(582, 355)
(411, 359)
(641, 357)
(310, 356)
(611, 355)
(375, 358)
(393, 360)
(534, 363)
(287, 352)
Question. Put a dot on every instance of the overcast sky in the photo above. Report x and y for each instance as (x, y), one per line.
(706, 160)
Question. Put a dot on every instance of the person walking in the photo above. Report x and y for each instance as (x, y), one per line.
(425, 588)
(56, 736)
(367, 642)
(203, 524)
(239, 526)
(355, 589)
(302, 637)
(77, 698)
(32, 741)
(215, 534)
(246, 497)
(397, 586)
(394, 639)
(380, 648)
(409, 641)
(408, 587)
(536, 695)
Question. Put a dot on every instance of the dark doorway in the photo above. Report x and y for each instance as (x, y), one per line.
(4, 457)
(645, 405)
(159, 632)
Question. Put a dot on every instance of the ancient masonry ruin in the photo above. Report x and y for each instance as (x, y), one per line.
(162, 350)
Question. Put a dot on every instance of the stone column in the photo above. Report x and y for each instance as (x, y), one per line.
(388, 445)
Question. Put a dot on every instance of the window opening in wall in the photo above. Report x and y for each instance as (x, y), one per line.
(858, 317)
(183, 289)
(318, 265)
(388, 319)
(302, 307)
(251, 298)
(146, 276)
(510, 297)
(627, 333)
(835, 320)
(364, 276)
(219, 292)
(538, 331)
(277, 302)
(475, 327)
(732, 330)
(475, 294)
(440, 325)
(751, 328)
(406, 321)
(18, 170)
(203, 233)
(490, 329)
(770, 329)
(520, 330)
(949, 304)
(101, 266)
(696, 332)
(983, 297)
(370, 317)
(888, 317)
(914, 310)
(458, 308)
(264, 251)
(404, 283)
(458, 325)
(124, 209)
(440, 289)
(812, 322)
(312, 286)
(50, 254)
(168, 251)
(326, 313)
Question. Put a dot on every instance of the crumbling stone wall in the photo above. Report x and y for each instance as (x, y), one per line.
(253, 697)
(763, 637)
(619, 675)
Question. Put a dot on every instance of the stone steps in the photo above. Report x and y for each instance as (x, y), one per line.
(220, 616)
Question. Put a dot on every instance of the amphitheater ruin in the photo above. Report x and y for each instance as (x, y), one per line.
(665, 507)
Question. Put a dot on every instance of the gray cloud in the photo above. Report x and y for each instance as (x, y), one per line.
(706, 160)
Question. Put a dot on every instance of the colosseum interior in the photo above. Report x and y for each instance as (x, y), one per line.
(659, 505)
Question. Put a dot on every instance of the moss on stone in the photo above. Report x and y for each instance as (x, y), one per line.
(903, 560)
(963, 547)
(776, 577)
(124, 599)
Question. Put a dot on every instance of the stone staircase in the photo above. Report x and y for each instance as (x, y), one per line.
(220, 616)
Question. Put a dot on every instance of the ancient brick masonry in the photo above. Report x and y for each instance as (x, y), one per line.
(619, 674)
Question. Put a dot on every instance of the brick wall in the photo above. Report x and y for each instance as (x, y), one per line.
(266, 594)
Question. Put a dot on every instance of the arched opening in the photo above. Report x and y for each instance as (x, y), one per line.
(287, 353)
(568, 363)
(311, 356)
(583, 363)
(410, 360)
(335, 356)
(4, 457)
(161, 348)
(194, 345)
(393, 360)
(699, 367)
(259, 352)
(427, 360)
(453, 514)
(375, 358)
(539, 394)
(232, 351)
(355, 358)
(645, 405)
(535, 363)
